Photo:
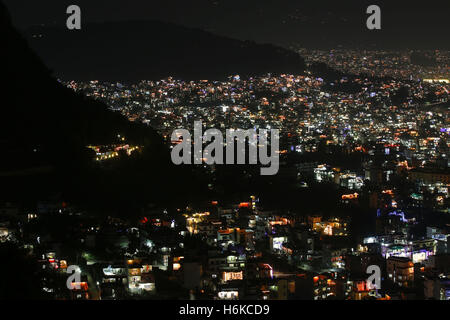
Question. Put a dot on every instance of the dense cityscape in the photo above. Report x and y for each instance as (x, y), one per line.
(363, 181)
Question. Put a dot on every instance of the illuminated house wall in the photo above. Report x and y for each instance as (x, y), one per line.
(400, 270)
(230, 275)
(228, 294)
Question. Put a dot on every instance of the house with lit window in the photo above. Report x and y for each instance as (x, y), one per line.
(400, 270)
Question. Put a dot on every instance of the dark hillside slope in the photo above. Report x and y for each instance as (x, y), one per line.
(149, 50)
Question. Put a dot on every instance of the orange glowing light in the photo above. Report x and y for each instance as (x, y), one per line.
(350, 196)
(244, 205)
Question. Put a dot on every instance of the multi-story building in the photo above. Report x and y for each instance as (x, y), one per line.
(400, 270)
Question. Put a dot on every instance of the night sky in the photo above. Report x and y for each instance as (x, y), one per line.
(274, 21)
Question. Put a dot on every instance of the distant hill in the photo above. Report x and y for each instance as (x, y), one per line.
(137, 50)
(37, 112)
(44, 130)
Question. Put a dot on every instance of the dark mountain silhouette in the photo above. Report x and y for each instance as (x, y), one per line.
(39, 111)
(45, 128)
(137, 50)
(405, 24)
